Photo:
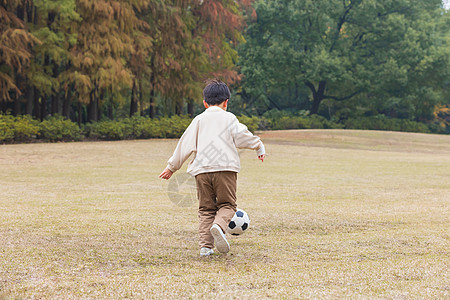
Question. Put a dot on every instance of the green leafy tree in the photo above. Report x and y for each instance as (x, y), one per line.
(52, 24)
(340, 50)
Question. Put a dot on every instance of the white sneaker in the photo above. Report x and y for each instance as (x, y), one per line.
(220, 239)
(206, 251)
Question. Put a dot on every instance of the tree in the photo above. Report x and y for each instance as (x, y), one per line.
(16, 44)
(340, 49)
(103, 55)
(168, 28)
(52, 24)
(216, 32)
(191, 40)
(142, 49)
(98, 59)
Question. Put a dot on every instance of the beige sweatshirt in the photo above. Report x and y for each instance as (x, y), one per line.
(214, 137)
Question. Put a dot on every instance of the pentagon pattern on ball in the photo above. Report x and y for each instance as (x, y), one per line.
(239, 223)
(232, 225)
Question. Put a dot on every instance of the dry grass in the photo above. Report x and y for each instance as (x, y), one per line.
(335, 214)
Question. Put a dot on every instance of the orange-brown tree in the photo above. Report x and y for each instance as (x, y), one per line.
(191, 41)
(16, 44)
(99, 72)
(100, 55)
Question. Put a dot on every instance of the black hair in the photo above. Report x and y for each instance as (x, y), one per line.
(216, 92)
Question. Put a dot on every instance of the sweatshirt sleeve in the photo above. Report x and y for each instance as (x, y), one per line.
(244, 139)
(186, 145)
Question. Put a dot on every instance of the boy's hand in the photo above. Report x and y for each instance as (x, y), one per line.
(166, 174)
(261, 157)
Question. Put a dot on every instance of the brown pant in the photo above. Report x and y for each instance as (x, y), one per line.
(216, 193)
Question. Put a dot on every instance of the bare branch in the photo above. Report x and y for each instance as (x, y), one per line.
(343, 98)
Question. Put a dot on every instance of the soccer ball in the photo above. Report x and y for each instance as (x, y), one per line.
(239, 223)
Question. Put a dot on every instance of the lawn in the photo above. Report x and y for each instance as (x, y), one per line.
(334, 214)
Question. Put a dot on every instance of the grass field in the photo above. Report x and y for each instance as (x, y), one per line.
(334, 214)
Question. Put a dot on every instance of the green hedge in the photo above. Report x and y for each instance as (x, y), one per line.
(138, 128)
(298, 122)
(384, 123)
(56, 128)
(18, 129)
(109, 130)
(379, 122)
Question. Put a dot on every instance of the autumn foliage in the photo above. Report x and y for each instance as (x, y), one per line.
(87, 59)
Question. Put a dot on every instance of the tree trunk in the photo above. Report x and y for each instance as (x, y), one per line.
(80, 112)
(29, 9)
(178, 108)
(29, 103)
(152, 94)
(140, 102)
(133, 102)
(66, 106)
(54, 104)
(55, 107)
(315, 106)
(37, 105)
(20, 83)
(99, 110)
(92, 114)
(110, 109)
(318, 95)
(93, 108)
(152, 104)
(190, 107)
(20, 12)
(17, 109)
(3, 106)
(43, 108)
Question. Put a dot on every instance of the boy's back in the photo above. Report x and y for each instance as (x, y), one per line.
(214, 137)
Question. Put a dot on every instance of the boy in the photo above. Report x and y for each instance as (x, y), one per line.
(213, 137)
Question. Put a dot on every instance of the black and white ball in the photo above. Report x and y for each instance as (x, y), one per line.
(239, 223)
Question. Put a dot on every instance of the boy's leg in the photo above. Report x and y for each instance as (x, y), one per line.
(225, 188)
(206, 209)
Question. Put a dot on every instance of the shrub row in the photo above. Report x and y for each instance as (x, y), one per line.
(298, 122)
(137, 128)
(57, 128)
(25, 129)
(384, 123)
(380, 122)
(20, 129)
